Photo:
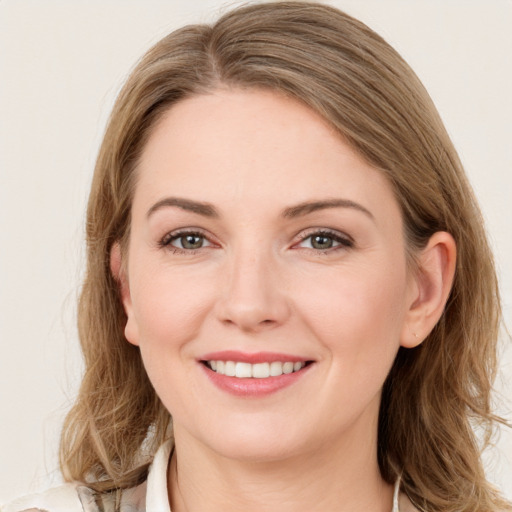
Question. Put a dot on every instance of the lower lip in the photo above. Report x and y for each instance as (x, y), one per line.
(250, 387)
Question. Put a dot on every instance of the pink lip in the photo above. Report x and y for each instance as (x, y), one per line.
(259, 357)
(251, 387)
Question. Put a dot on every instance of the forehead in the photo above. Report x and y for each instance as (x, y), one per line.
(234, 147)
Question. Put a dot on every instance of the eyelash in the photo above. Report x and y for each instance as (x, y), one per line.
(166, 241)
(344, 241)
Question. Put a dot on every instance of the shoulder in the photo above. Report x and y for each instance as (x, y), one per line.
(71, 497)
(151, 494)
(64, 498)
(76, 497)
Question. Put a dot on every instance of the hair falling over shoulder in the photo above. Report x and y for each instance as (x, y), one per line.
(435, 394)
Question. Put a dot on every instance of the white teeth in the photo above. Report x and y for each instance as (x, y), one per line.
(256, 371)
(261, 370)
(243, 370)
(276, 368)
(287, 367)
(230, 368)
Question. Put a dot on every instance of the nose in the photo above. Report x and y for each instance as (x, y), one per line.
(253, 297)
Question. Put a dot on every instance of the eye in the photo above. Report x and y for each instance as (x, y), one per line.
(325, 240)
(185, 241)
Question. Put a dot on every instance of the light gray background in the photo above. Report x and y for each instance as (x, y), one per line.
(61, 65)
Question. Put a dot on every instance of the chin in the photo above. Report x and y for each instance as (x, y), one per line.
(259, 450)
(248, 440)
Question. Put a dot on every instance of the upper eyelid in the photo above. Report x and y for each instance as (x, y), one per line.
(168, 237)
(306, 233)
(186, 231)
(344, 242)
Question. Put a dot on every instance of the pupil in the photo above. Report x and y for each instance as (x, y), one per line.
(191, 242)
(322, 242)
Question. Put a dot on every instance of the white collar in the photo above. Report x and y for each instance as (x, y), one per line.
(157, 497)
(396, 493)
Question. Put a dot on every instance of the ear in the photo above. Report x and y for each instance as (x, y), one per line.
(118, 270)
(430, 289)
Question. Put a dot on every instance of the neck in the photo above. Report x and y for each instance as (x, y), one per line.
(341, 478)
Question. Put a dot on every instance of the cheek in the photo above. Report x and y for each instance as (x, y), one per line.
(169, 308)
(169, 305)
(357, 311)
(357, 318)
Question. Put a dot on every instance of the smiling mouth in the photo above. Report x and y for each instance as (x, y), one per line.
(243, 370)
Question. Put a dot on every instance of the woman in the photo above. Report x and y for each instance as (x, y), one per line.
(284, 256)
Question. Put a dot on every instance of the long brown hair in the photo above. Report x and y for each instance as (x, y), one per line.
(436, 393)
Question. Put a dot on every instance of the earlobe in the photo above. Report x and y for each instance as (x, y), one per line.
(433, 283)
(119, 273)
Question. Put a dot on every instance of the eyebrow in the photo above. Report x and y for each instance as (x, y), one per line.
(313, 206)
(205, 209)
(208, 210)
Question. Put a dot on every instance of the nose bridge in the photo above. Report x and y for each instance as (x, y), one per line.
(252, 297)
(251, 273)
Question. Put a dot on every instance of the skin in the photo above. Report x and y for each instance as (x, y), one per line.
(258, 282)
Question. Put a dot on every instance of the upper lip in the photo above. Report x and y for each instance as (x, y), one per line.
(252, 358)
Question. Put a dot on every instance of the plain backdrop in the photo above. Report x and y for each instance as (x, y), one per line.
(61, 66)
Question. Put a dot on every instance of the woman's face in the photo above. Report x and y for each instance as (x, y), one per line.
(261, 244)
